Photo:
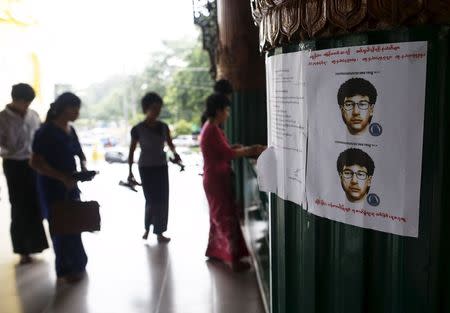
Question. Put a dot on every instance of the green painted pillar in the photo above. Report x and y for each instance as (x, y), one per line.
(318, 265)
(239, 61)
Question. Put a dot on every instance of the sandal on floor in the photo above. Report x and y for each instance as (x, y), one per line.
(162, 238)
(25, 259)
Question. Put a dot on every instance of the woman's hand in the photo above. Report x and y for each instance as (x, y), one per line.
(260, 149)
(69, 182)
(249, 151)
(39, 163)
(176, 158)
(132, 180)
(255, 150)
(237, 146)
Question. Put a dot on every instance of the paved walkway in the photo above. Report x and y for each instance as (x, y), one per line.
(125, 273)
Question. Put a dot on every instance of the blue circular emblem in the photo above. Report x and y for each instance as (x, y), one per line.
(373, 199)
(375, 129)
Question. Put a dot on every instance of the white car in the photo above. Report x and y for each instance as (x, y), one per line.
(120, 155)
(116, 156)
(185, 141)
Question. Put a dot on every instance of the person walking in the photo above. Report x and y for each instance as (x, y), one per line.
(152, 135)
(55, 147)
(18, 123)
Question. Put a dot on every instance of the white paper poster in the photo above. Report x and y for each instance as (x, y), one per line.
(365, 116)
(281, 168)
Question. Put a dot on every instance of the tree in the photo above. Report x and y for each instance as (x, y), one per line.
(178, 73)
(182, 127)
(189, 87)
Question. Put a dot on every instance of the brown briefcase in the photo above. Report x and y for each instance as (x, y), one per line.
(74, 216)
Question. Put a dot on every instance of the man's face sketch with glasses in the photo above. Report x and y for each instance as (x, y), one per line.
(356, 98)
(355, 169)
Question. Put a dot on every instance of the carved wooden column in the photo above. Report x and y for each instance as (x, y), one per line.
(238, 57)
(240, 61)
(284, 21)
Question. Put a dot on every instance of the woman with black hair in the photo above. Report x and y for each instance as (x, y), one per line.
(222, 86)
(55, 146)
(226, 242)
(152, 135)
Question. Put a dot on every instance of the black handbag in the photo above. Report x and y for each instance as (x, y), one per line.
(69, 217)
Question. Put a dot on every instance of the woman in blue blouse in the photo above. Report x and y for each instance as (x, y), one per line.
(55, 146)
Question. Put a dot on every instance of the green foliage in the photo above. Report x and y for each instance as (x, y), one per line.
(182, 127)
(179, 73)
(139, 117)
(189, 87)
(103, 99)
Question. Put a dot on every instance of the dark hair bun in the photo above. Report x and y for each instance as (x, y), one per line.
(216, 102)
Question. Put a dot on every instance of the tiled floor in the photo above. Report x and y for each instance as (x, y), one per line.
(126, 274)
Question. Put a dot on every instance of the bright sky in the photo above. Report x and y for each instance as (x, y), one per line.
(79, 42)
(87, 40)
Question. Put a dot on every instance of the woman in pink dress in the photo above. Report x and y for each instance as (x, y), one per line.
(226, 242)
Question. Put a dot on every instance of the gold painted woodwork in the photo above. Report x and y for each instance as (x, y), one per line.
(284, 21)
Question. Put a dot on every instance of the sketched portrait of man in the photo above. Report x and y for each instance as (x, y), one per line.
(355, 168)
(356, 98)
